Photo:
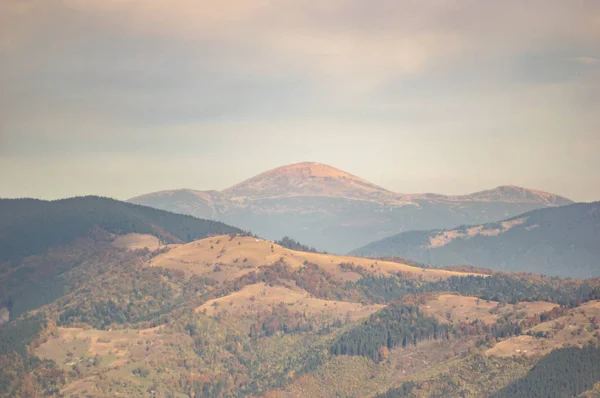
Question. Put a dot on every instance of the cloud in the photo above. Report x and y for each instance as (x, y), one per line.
(585, 60)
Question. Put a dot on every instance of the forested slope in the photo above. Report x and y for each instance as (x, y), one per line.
(31, 226)
(561, 241)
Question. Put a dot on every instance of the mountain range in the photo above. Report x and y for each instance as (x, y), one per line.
(333, 210)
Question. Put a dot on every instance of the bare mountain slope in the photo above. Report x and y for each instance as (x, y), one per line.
(336, 211)
(307, 179)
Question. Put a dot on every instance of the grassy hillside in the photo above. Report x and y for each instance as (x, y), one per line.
(236, 316)
(562, 241)
(133, 323)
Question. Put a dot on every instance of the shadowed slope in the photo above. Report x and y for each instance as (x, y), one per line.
(561, 241)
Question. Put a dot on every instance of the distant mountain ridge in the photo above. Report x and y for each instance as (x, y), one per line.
(336, 211)
(511, 193)
(561, 241)
(31, 226)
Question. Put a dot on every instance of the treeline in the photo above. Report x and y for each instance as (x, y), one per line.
(30, 226)
(396, 325)
(498, 287)
(292, 244)
(565, 372)
(382, 289)
(513, 289)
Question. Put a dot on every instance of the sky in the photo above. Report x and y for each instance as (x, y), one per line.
(123, 97)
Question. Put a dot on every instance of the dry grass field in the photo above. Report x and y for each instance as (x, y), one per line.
(104, 358)
(260, 297)
(579, 326)
(452, 307)
(226, 258)
(69, 346)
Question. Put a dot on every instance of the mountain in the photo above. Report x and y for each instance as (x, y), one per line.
(561, 241)
(513, 194)
(332, 210)
(307, 179)
(107, 298)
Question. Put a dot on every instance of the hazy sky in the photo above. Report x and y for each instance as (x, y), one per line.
(123, 97)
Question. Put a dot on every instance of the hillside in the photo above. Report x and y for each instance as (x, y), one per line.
(129, 307)
(233, 315)
(41, 242)
(29, 226)
(229, 257)
(561, 241)
(335, 211)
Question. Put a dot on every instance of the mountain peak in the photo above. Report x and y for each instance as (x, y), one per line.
(513, 193)
(313, 170)
(306, 179)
